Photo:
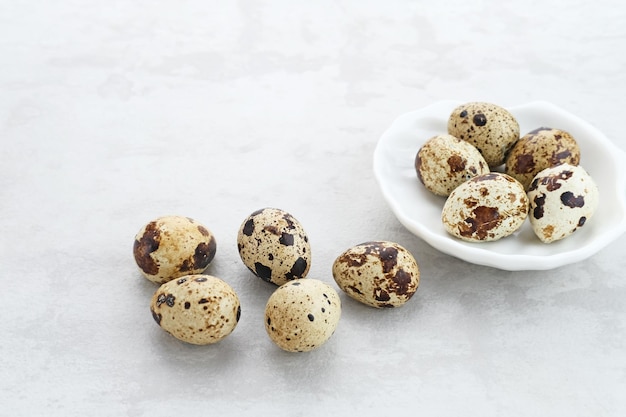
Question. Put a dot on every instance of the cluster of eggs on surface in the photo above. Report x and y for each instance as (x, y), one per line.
(300, 315)
(486, 205)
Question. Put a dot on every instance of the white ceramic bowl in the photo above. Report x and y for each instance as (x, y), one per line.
(420, 211)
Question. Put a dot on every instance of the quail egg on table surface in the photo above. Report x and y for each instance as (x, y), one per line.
(492, 129)
(173, 246)
(197, 309)
(444, 162)
(486, 208)
(562, 200)
(540, 149)
(302, 314)
(378, 274)
(274, 246)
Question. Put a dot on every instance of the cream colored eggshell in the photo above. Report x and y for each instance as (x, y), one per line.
(378, 274)
(274, 246)
(444, 162)
(170, 247)
(486, 208)
(302, 314)
(492, 129)
(197, 309)
(540, 149)
(562, 200)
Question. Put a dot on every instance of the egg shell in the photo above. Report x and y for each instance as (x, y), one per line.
(378, 274)
(562, 200)
(302, 314)
(540, 149)
(486, 208)
(444, 162)
(170, 247)
(197, 309)
(492, 129)
(274, 246)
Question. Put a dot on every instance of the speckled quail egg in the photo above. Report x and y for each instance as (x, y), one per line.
(540, 149)
(562, 199)
(444, 162)
(173, 246)
(302, 314)
(486, 208)
(197, 309)
(493, 130)
(274, 246)
(378, 274)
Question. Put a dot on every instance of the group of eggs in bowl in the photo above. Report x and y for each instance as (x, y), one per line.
(419, 205)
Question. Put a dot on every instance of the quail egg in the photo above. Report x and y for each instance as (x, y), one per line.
(302, 314)
(378, 274)
(173, 246)
(444, 162)
(274, 246)
(562, 200)
(486, 208)
(197, 309)
(540, 149)
(491, 129)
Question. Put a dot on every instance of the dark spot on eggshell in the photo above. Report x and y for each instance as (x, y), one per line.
(200, 279)
(480, 119)
(262, 271)
(203, 230)
(463, 113)
(181, 281)
(354, 289)
(238, 316)
(297, 270)
(570, 200)
(486, 177)
(539, 201)
(286, 239)
(291, 224)
(142, 248)
(456, 163)
(203, 301)
(269, 321)
(551, 182)
(418, 167)
(401, 282)
(272, 229)
(558, 157)
(167, 299)
(248, 227)
(581, 221)
(389, 258)
(311, 317)
(156, 316)
(295, 284)
(187, 305)
(484, 219)
(381, 295)
(524, 164)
